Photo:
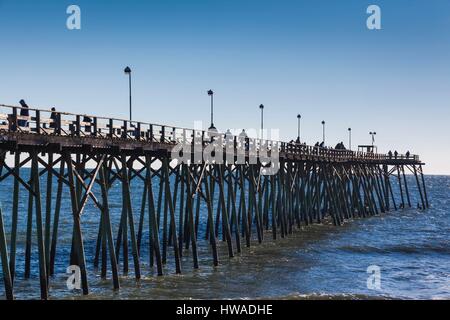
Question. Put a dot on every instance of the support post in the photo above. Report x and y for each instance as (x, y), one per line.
(79, 256)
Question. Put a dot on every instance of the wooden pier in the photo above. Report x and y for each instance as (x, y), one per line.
(78, 158)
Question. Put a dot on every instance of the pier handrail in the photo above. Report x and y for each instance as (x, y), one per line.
(59, 123)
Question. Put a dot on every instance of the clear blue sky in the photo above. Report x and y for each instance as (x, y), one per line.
(316, 58)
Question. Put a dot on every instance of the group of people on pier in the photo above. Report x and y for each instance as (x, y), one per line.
(395, 154)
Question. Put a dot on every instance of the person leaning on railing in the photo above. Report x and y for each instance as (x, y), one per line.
(54, 119)
(24, 112)
(87, 124)
(244, 139)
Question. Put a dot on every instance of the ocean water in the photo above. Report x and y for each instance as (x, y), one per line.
(410, 247)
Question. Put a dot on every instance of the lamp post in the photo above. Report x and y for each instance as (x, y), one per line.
(128, 72)
(373, 134)
(261, 107)
(323, 132)
(299, 117)
(350, 138)
(211, 94)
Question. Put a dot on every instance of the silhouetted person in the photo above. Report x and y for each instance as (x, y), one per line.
(54, 118)
(390, 154)
(24, 112)
(137, 131)
(228, 134)
(87, 127)
(408, 154)
(228, 137)
(317, 144)
(322, 144)
(243, 139)
(395, 154)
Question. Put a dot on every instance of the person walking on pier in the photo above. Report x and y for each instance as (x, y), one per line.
(54, 118)
(396, 154)
(408, 154)
(243, 139)
(24, 112)
(228, 134)
(228, 137)
(87, 124)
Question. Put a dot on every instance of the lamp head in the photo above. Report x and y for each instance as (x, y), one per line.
(323, 122)
(210, 92)
(261, 106)
(299, 116)
(127, 70)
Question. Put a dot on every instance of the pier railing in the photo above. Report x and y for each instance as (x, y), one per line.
(15, 119)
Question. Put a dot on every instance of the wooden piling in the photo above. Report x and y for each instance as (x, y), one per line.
(7, 277)
(40, 232)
